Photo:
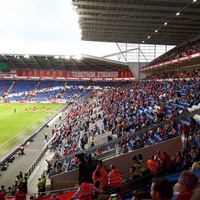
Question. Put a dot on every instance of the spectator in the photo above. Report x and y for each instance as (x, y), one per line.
(195, 165)
(2, 195)
(139, 195)
(49, 167)
(165, 162)
(158, 158)
(193, 153)
(187, 182)
(19, 194)
(85, 190)
(161, 189)
(178, 161)
(184, 129)
(195, 194)
(125, 148)
(3, 189)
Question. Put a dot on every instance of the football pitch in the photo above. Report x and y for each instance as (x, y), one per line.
(17, 121)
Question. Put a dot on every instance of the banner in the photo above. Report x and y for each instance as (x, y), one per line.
(55, 74)
(171, 62)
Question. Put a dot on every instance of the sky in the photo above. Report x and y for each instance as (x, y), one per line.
(44, 27)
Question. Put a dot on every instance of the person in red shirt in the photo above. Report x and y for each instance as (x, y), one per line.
(184, 129)
(99, 150)
(21, 150)
(165, 162)
(20, 195)
(2, 195)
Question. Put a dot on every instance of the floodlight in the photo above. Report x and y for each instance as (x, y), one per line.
(26, 56)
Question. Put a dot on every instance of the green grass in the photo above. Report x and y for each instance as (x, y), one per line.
(14, 127)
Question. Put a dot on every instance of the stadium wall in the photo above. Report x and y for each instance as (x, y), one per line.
(135, 67)
(123, 162)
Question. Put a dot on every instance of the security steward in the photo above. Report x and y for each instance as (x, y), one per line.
(103, 175)
(99, 181)
(41, 186)
(85, 191)
(145, 171)
(114, 178)
(135, 170)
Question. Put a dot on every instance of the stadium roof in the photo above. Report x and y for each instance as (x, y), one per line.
(139, 21)
(126, 21)
(38, 62)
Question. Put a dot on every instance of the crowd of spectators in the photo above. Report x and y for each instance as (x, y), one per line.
(126, 109)
(123, 110)
(178, 52)
(184, 74)
(42, 90)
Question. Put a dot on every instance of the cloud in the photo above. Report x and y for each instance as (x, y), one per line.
(47, 27)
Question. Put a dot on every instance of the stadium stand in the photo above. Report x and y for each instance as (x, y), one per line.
(111, 121)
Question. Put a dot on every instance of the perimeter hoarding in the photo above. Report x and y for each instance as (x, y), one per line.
(75, 74)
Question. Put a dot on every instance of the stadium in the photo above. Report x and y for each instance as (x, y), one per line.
(61, 117)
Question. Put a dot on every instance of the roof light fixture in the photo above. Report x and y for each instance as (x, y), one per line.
(78, 57)
(156, 31)
(178, 13)
(67, 57)
(165, 23)
(149, 37)
(26, 56)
